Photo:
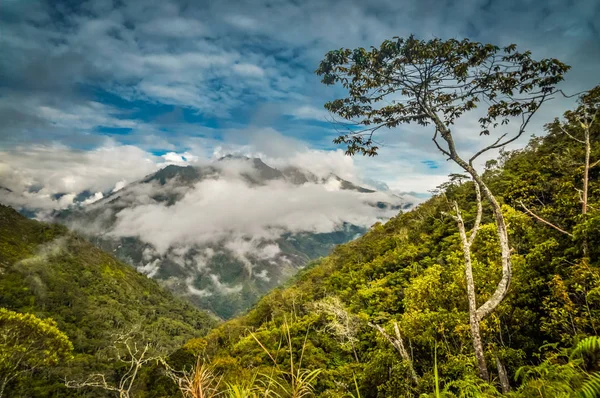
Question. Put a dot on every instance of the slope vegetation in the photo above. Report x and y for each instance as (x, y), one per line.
(409, 272)
(50, 272)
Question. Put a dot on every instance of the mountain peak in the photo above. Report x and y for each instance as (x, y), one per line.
(232, 156)
(185, 173)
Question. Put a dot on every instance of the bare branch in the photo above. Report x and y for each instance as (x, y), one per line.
(126, 350)
(542, 220)
(524, 124)
(398, 344)
(571, 136)
(479, 214)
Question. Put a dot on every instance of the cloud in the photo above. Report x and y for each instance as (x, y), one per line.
(150, 269)
(309, 112)
(75, 75)
(50, 177)
(245, 69)
(94, 198)
(282, 151)
(216, 210)
(174, 27)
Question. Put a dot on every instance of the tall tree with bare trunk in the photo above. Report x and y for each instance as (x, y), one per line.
(581, 125)
(436, 83)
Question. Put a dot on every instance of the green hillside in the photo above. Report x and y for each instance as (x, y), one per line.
(461, 297)
(48, 271)
(411, 271)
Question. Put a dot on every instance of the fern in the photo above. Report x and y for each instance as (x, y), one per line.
(591, 387)
(588, 347)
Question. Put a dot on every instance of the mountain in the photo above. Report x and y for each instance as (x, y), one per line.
(50, 272)
(225, 233)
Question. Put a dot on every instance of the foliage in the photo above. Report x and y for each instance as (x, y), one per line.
(28, 343)
(439, 81)
(50, 273)
(297, 382)
(318, 336)
(200, 382)
(410, 271)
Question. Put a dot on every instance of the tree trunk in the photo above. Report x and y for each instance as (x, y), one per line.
(471, 298)
(503, 376)
(476, 315)
(504, 284)
(473, 321)
(398, 344)
(588, 150)
(2, 387)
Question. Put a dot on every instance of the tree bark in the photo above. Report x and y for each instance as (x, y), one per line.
(532, 214)
(503, 376)
(504, 283)
(471, 296)
(586, 173)
(398, 344)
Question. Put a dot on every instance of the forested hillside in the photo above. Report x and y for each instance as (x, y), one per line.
(409, 272)
(490, 288)
(94, 299)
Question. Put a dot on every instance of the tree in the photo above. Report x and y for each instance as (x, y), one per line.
(438, 82)
(398, 344)
(340, 323)
(581, 126)
(28, 343)
(133, 353)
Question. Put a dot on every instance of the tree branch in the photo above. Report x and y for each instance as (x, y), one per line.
(571, 136)
(398, 344)
(479, 214)
(542, 220)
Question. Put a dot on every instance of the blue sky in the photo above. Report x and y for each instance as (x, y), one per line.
(208, 77)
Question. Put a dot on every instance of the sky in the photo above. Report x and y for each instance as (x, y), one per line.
(96, 94)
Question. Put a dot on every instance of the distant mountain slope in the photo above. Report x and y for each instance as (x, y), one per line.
(48, 271)
(225, 233)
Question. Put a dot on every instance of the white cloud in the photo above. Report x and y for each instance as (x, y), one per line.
(174, 27)
(309, 112)
(263, 275)
(119, 185)
(224, 288)
(251, 70)
(225, 209)
(150, 269)
(94, 198)
(194, 290)
(179, 158)
(49, 177)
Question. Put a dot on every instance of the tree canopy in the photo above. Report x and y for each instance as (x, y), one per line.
(407, 80)
(28, 343)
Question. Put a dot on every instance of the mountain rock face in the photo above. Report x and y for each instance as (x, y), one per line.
(225, 233)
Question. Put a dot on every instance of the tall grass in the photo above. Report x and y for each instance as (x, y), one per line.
(200, 382)
(295, 382)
